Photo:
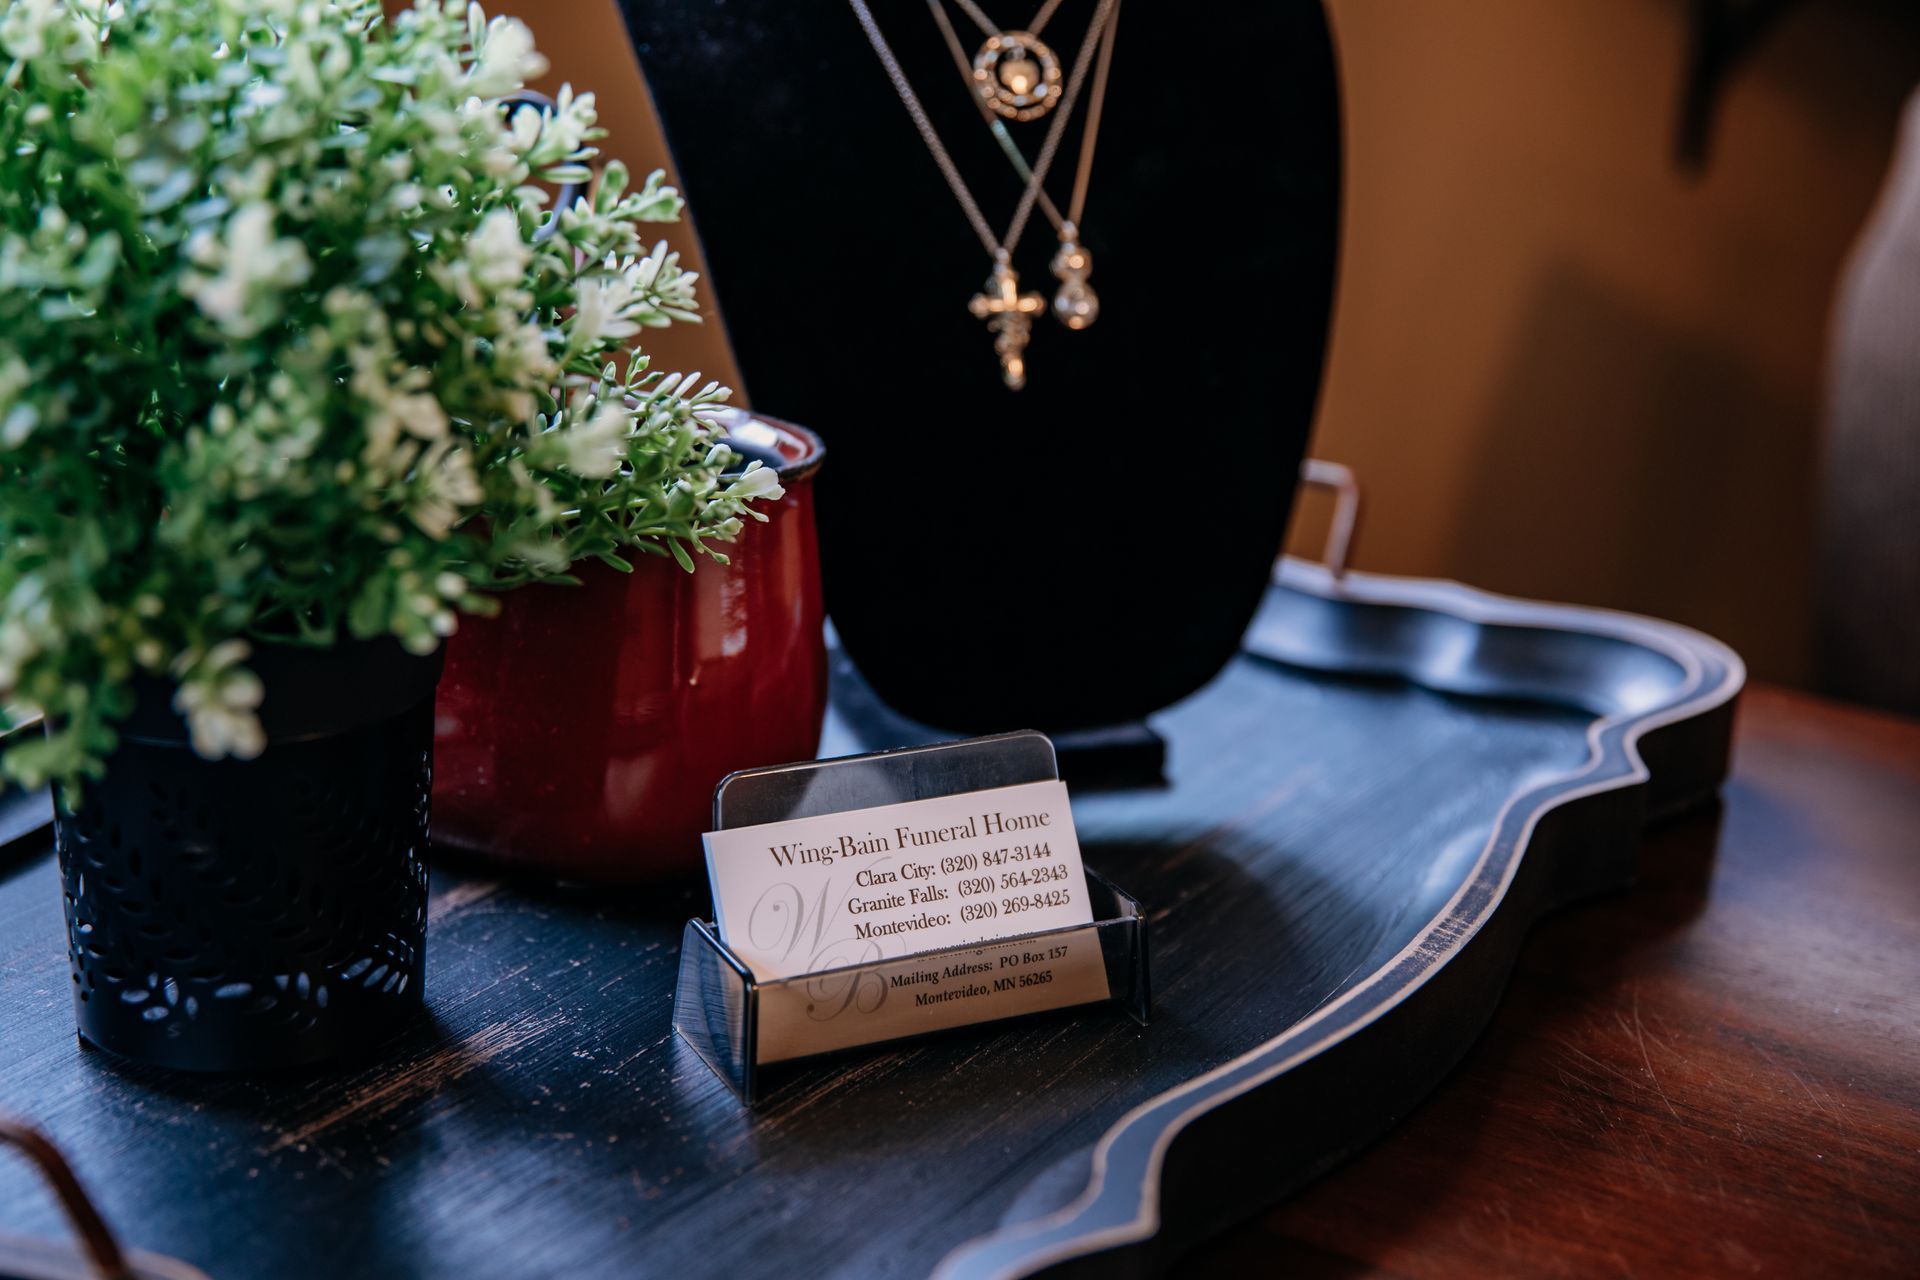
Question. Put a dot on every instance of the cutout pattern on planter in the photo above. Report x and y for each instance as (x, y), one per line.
(243, 915)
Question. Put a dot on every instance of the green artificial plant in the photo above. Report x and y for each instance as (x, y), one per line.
(293, 349)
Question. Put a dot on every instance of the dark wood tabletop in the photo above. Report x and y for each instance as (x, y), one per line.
(1717, 1073)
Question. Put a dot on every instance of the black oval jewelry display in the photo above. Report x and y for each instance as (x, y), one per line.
(1090, 547)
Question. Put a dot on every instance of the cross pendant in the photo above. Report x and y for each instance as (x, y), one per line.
(1009, 315)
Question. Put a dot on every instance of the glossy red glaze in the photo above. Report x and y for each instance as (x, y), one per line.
(583, 729)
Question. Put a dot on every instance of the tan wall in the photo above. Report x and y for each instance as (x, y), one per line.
(1562, 367)
(586, 43)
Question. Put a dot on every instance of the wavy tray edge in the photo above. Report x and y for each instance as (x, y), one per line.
(1121, 1203)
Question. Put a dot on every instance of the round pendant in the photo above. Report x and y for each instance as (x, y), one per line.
(1017, 75)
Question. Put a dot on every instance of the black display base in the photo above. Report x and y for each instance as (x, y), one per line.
(1120, 757)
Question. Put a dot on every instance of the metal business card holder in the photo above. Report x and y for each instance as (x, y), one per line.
(740, 1025)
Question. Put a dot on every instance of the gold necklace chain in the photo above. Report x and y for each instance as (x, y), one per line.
(1066, 223)
(988, 28)
(1001, 247)
(1008, 312)
(1075, 304)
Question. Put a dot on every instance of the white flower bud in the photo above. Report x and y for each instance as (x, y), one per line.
(756, 482)
(507, 60)
(596, 448)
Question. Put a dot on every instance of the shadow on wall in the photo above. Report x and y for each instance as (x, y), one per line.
(1602, 396)
(1562, 366)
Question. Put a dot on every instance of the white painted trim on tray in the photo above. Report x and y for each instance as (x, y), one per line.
(1433, 945)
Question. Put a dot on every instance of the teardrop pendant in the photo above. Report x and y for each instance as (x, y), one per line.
(1075, 304)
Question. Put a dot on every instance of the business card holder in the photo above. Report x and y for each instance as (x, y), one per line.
(741, 1026)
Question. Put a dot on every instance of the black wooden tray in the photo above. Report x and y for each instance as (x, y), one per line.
(1364, 815)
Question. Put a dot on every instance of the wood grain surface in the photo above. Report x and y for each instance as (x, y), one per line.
(543, 1120)
(1714, 1073)
(1717, 1073)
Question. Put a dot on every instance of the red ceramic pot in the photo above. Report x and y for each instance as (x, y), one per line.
(582, 730)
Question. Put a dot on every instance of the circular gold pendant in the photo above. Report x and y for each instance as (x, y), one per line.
(1017, 75)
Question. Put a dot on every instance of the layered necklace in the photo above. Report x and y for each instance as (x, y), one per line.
(1016, 76)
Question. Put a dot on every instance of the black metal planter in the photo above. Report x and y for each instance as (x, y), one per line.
(251, 915)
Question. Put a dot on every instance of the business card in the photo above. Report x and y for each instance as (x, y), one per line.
(917, 994)
(863, 885)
